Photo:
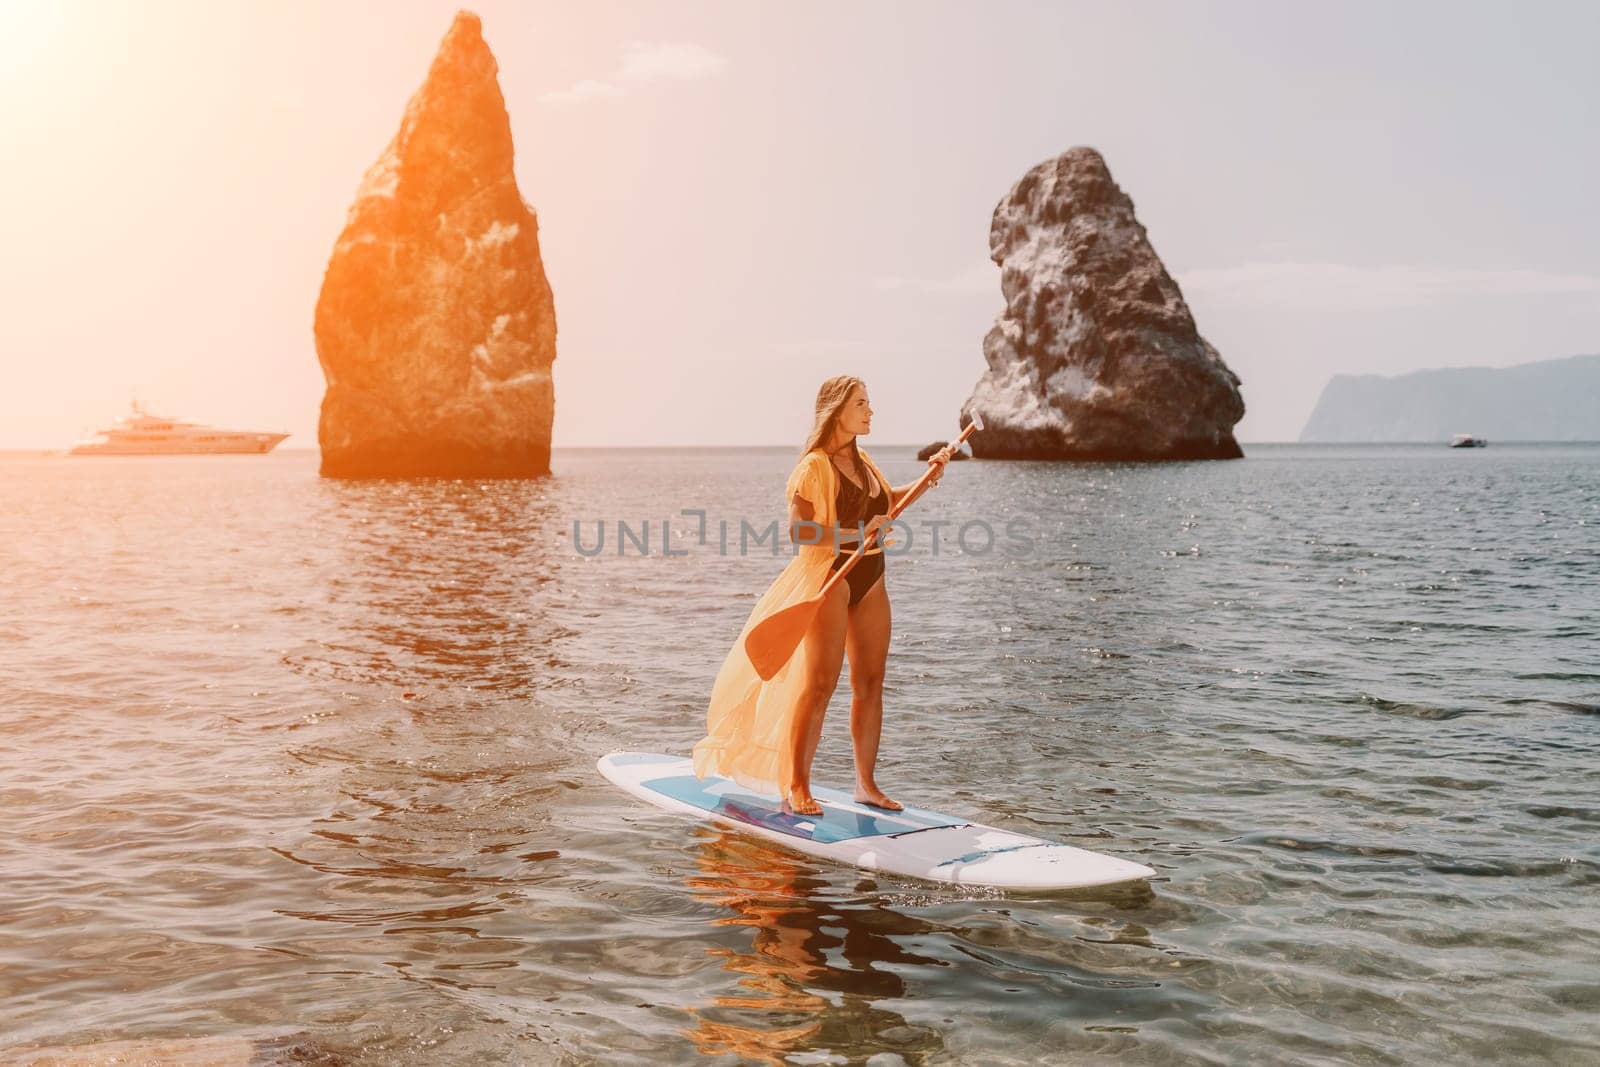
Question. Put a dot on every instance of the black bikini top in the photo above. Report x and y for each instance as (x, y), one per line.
(853, 505)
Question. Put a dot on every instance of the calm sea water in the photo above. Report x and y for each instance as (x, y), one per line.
(295, 770)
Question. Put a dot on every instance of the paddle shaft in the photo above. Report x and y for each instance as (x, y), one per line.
(894, 513)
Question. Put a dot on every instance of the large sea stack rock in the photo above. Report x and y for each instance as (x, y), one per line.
(436, 328)
(1095, 356)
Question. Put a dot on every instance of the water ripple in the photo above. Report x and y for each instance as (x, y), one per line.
(301, 771)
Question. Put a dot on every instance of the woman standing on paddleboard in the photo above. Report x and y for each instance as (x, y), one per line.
(764, 734)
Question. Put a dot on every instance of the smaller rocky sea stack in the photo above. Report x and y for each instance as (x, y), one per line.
(436, 328)
(1095, 356)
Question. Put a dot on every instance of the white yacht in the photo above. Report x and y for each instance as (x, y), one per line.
(1466, 440)
(144, 434)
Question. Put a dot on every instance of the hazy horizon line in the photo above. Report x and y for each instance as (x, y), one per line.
(61, 451)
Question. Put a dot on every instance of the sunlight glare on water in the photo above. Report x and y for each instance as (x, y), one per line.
(305, 768)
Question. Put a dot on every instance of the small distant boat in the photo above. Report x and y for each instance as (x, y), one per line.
(1466, 440)
(144, 434)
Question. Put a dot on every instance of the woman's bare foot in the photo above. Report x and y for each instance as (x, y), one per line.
(801, 803)
(875, 798)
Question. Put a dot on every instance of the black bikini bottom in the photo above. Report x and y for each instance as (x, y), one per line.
(862, 575)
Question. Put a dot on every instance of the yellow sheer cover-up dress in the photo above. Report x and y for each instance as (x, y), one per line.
(749, 722)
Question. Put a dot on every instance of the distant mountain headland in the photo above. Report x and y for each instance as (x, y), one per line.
(1551, 400)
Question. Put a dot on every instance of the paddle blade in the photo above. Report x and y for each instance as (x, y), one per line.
(772, 642)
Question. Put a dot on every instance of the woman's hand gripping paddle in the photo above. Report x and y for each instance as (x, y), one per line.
(773, 640)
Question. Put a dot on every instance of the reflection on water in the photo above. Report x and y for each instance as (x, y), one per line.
(308, 767)
(816, 966)
(436, 584)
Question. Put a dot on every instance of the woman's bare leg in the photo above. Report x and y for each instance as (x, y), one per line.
(867, 640)
(823, 650)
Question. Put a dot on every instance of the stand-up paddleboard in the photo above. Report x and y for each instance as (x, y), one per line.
(913, 842)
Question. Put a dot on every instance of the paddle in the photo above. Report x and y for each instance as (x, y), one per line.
(773, 640)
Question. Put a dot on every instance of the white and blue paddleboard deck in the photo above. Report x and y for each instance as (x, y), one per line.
(914, 843)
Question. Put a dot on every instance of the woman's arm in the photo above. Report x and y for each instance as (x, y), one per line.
(803, 527)
(897, 493)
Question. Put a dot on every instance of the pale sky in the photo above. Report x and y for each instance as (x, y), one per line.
(737, 200)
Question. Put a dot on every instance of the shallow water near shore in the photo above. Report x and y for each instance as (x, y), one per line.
(307, 766)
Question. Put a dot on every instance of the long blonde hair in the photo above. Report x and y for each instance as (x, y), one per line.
(830, 398)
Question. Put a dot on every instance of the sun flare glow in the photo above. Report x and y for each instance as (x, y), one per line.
(29, 32)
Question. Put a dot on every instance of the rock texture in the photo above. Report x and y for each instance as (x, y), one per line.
(1096, 356)
(436, 328)
(1551, 400)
